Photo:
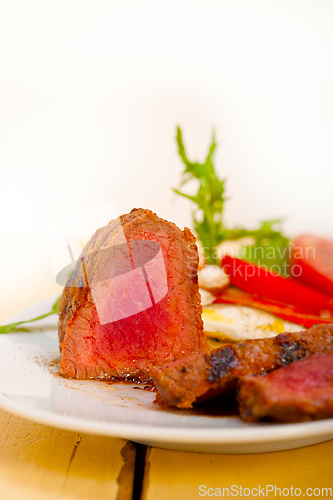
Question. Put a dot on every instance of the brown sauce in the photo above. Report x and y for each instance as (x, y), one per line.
(150, 388)
(220, 406)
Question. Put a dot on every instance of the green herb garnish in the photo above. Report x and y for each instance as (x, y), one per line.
(13, 326)
(207, 217)
(270, 248)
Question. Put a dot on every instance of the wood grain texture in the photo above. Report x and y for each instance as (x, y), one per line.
(172, 475)
(39, 463)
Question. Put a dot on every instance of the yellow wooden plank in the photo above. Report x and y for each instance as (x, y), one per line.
(44, 463)
(173, 475)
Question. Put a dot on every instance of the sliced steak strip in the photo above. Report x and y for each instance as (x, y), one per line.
(203, 376)
(296, 393)
(132, 301)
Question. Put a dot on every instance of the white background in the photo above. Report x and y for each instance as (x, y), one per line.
(91, 92)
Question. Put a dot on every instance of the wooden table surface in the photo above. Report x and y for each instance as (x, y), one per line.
(45, 463)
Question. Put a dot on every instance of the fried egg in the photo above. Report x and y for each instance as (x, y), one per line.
(232, 323)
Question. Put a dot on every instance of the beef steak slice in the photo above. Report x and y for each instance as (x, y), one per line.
(132, 302)
(296, 393)
(205, 375)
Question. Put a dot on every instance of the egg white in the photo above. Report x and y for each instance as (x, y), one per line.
(233, 323)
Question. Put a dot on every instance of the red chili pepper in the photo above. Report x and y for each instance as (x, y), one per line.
(235, 296)
(312, 260)
(259, 281)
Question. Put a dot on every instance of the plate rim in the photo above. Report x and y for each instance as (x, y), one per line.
(182, 435)
(254, 434)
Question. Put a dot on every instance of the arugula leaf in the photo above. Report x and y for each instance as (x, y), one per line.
(13, 326)
(207, 217)
(270, 248)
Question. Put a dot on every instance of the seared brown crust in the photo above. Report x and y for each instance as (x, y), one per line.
(299, 392)
(205, 375)
(92, 350)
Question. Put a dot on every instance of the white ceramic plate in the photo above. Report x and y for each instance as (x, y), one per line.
(31, 387)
